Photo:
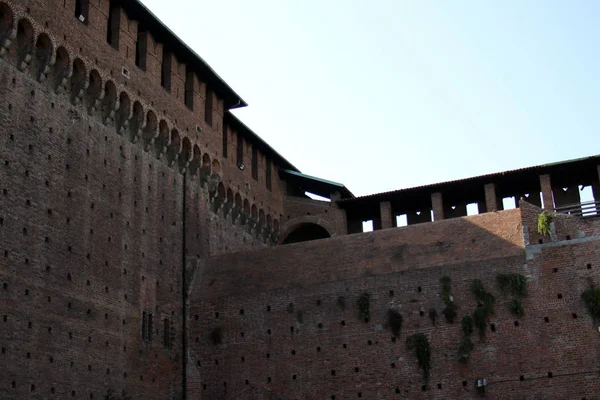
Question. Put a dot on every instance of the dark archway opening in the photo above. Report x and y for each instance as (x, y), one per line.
(306, 232)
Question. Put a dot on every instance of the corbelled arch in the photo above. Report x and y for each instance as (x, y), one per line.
(61, 71)
(7, 28)
(79, 81)
(93, 94)
(44, 50)
(137, 122)
(25, 43)
(186, 154)
(123, 114)
(174, 147)
(150, 130)
(110, 102)
(162, 141)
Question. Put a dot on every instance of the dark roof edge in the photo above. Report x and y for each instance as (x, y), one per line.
(239, 126)
(457, 181)
(342, 188)
(137, 10)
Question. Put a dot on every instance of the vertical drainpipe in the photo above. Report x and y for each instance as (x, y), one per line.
(184, 293)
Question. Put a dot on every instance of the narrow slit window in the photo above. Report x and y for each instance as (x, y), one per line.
(268, 175)
(149, 327)
(189, 89)
(225, 141)
(144, 326)
(141, 48)
(208, 107)
(254, 163)
(166, 70)
(113, 29)
(166, 333)
(240, 151)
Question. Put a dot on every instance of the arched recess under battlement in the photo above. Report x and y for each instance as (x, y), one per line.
(25, 44)
(6, 20)
(7, 30)
(305, 229)
(43, 57)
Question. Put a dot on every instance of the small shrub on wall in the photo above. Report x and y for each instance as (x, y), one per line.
(420, 344)
(591, 298)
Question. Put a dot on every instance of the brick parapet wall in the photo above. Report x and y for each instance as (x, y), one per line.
(298, 334)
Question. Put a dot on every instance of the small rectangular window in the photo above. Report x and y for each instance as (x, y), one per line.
(254, 163)
(82, 11)
(150, 327)
(225, 141)
(268, 175)
(166, 70)
(240, 150)
(208, 107)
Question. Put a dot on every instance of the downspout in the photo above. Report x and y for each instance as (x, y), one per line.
(184, 344)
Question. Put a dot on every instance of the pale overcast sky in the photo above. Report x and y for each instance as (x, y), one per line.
(388, 94)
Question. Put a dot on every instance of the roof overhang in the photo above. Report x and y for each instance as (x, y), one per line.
(161, 33)
(316, 185)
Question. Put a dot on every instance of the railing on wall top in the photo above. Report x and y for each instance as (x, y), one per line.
(584, 209)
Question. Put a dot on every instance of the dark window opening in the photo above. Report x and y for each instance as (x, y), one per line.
(144, 326)
(208, 107)
(225, 141)
(165, 76)
(82, 10)
(167, 333)
(254, 163)
(141, 48)
(149, 327)
(240, 150)
(113, 28)
(268, 175)
(189, 89)
(306, 232)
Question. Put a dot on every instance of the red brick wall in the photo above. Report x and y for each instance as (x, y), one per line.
(270, 304)
(91, 227)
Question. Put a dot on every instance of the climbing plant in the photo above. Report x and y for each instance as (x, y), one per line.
(516, 308)
(516, 284)
(394, 321)
(591, 298)
(485, 306)
(467, 325)
(465, 348)
(449, 310)
(544, 220)
(364, 305)
(420, 344)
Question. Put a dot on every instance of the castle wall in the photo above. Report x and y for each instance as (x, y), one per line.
(93, 212)
(291, 326)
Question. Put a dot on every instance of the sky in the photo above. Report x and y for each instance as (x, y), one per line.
(388, 94)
